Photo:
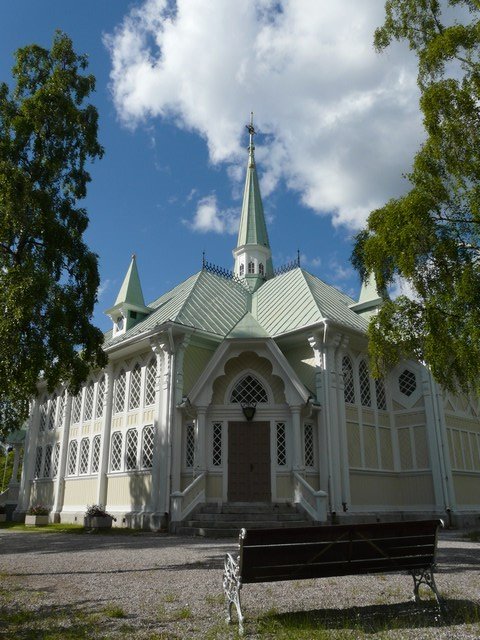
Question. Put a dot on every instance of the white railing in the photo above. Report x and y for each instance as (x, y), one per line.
(314, 502)
(183, 502)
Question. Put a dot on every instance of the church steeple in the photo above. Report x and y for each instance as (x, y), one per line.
(129, 306)
(253, 257)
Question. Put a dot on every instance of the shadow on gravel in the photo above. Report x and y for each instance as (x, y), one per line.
(375, 618)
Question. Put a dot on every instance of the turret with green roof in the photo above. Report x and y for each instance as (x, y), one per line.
(129, 307)
(253, 257)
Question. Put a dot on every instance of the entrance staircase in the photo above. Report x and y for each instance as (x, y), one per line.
(225, 521)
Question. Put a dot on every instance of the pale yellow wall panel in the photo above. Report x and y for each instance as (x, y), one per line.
(419, 403)
(397, 490)
(80, 492)
(194, 363)
(406, 458)
(302, 361)
(97, 427)
(117, 423)
(130, 491)
(43, 493)
(368, 416)
(284, 488)
(214, 486)
(386, 449)
(370, 444)
(351, 413)
(457, 422)
(313, 480)
(354, 450)
(410, 419)
(132, 419)
(384, 418)
(466, 488)
(148, 416)
(421, 447)
(417, 489)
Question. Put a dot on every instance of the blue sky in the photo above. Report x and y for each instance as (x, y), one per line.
(338, 125)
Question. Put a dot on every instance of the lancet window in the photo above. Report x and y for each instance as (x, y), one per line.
(72, 458)
(150, 379)
(47, 467)
(365, 397)
(100, 397)
(120, 386)
(88, 408)
(147, 447)
(348, 381)
(135, 384)
(56, 459)
(96, 454)
(131, 447)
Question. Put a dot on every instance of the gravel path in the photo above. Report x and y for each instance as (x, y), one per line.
(165, 586)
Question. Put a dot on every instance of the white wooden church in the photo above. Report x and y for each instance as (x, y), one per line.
(250, 389)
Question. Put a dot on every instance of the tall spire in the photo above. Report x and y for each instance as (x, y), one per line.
(129, 307)
(253, 257)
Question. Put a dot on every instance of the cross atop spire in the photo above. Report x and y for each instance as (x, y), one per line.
(251, 146)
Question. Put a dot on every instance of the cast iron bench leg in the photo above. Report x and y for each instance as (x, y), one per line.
(231, 587)
(424, 576)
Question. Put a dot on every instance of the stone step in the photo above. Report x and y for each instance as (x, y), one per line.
(205, 532)
(252, 517)
(245, 524)
(247, 508)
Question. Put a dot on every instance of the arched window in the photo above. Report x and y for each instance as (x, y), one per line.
(348, 384)
(135, 382)
(120, 392)
(150, 379)
(43, 414)
(61, 409)
(100, 397)
(261, 269)
(38, 463)
(365, 397)
(88, 408)
(381, 395)
(407, 382)
(51, 413)
(56, 459)
(251, 267)
(96, 454)
(131, 449)
(77, 407)
(247, 390)
(242, 269)
(116, 459)
(47, 467)
(84, 454)
(147, 447)
(72, 458)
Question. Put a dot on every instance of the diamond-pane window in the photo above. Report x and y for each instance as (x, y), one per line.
(251, 267)
(365, 397)
(88, 408)
(120, 385)
(43, 415)
(381, 396)
(84, 453)
(261, 269)
(242, 269)
(407, 382)
(348, 383)
(135, 382)
(61, 410)
(249, 390)
(217, 444)
(116, 459)
(47, 466)
(150, 379)
(281, 444)
(189, 446)
(96, 454)
(51, 413)
(308, 445)
(131, 449)
(72, 458)
(38, 463)
(55, 460)
(77, 408)
(147, 447)
(100, 398)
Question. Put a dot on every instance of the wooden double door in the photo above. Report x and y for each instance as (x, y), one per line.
(249, 475)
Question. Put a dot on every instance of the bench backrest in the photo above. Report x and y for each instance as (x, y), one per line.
(268, 555)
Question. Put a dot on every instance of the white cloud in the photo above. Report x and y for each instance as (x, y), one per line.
(103, 287)
(208, 217)
(341, 121)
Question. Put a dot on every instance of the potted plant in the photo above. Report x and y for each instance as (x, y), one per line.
(97, 517)
(3, 513)
(37, 516)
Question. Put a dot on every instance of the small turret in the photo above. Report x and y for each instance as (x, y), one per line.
(369, 301)
(129, 307)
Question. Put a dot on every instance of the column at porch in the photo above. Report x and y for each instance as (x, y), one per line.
(200, 441)
(176, 422)
(102, 485)
(59, 490)
(338, 388)
(29, 461)
(295, 412)
(160, 440)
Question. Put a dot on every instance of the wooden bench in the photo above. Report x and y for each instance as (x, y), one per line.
(270, 555)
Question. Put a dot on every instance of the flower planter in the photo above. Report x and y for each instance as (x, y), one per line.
(3, 517)
(99, 522)
(36, 521)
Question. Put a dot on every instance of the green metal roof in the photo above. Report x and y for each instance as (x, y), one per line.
(253, 229)
(204, 301)
(297, 299)
(248, 327)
